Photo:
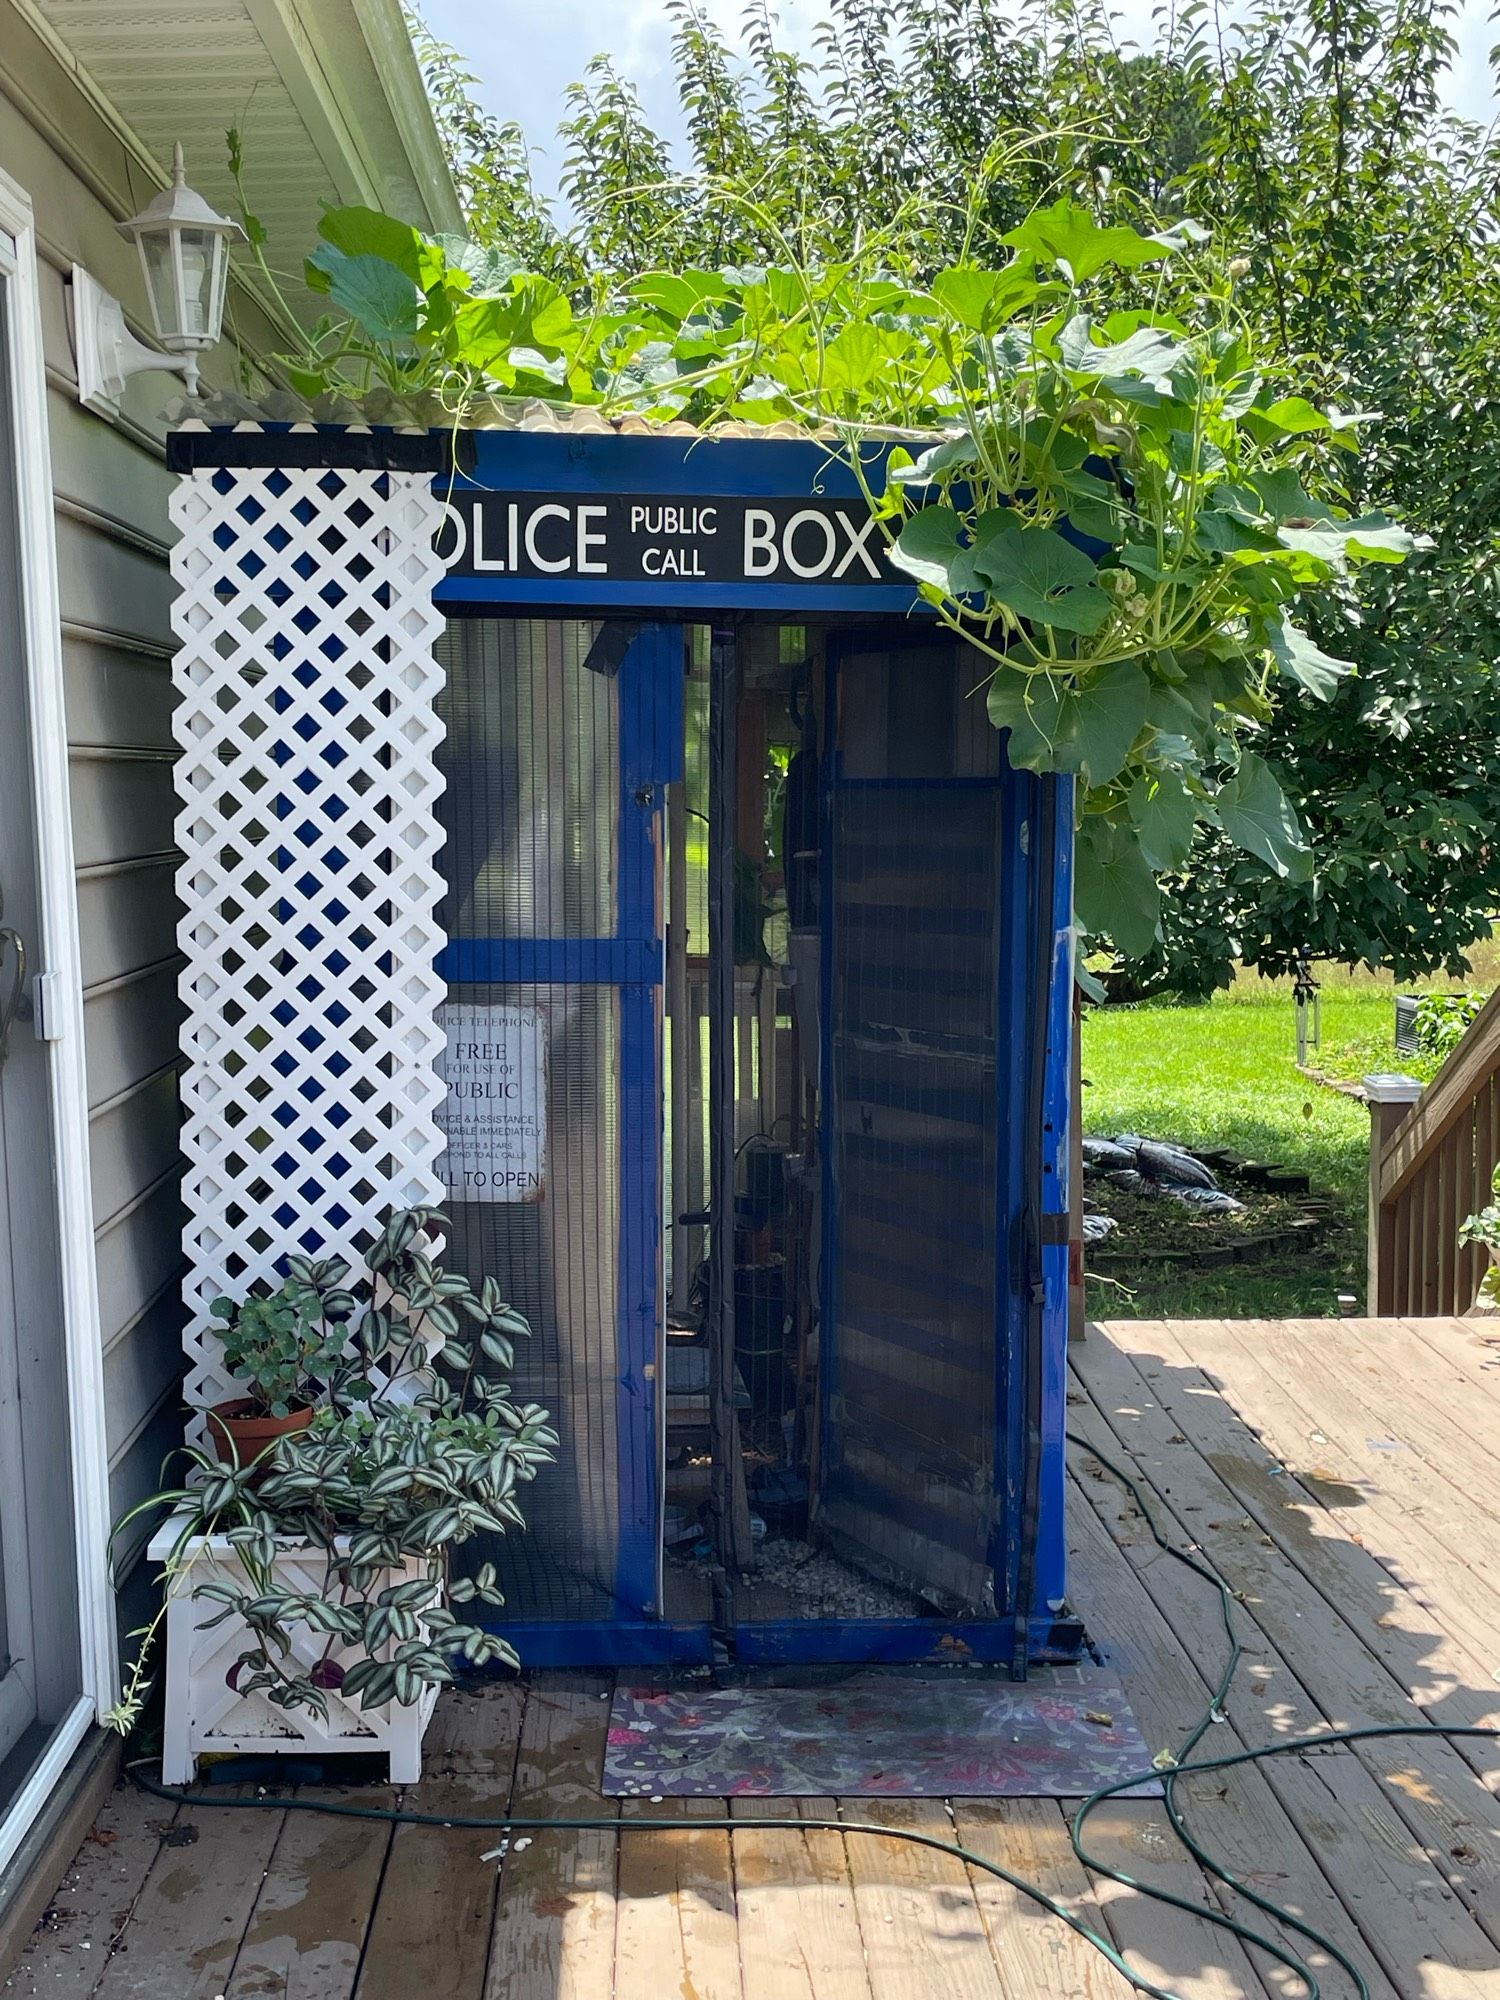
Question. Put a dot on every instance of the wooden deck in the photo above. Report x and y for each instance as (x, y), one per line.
(1343, 1476)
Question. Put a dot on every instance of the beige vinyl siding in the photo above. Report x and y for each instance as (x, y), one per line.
(110, 488)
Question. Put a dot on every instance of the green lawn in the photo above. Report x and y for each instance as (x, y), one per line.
(1226, 1074)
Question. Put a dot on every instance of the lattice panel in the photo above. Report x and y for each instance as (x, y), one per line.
(307, 788)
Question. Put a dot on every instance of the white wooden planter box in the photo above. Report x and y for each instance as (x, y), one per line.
(205, 1715)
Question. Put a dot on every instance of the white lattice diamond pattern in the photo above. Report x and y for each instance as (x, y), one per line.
(205, 1710)
(307, 787)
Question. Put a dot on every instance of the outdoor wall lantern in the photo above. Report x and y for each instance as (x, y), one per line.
(184, 252)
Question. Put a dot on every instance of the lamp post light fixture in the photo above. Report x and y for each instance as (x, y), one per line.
(184, 251)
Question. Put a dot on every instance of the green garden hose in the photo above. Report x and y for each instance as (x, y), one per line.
(1180, 1766)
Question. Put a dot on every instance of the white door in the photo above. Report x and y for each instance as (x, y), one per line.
(41, 1676)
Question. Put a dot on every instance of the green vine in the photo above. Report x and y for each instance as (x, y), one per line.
(1067, 438)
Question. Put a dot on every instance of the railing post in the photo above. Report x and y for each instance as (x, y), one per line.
(1391, 1098)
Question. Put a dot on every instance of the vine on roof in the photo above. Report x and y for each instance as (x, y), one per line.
(1097, 482)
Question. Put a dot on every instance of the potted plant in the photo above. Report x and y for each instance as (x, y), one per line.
(316, 1582)
(284, 1347)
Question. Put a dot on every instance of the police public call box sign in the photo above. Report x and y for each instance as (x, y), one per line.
(650, 521)
(638, 538)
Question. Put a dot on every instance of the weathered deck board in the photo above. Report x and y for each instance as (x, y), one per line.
(308, 1927)
(675, 1916)
(1246, 1825)
(92, 1908)
(799, 1927)
(1416, 1627)
(430, 1933)
(1413, 1461)
(1473, 1345)
(192, 1912)
(1400, 1809)
(1033, 1951)
(554, 1931)
(925, 1934)
(1370, 1591)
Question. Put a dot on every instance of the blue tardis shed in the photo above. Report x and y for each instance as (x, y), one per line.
(758, 1059)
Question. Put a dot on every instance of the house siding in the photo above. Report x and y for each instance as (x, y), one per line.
(110, 492)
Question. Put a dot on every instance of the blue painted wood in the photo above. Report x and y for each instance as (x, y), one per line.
(702, 602)
(828, 1301)
(606, 462)
(651, 677)
(890, 1641)
(547, 1643)
(1016, 971)
(601, 1642)
(1058, 1112)
(616, 961)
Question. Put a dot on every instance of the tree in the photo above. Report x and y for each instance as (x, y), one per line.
(1311, 140)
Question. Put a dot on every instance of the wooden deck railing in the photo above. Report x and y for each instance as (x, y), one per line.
(1432, 1153)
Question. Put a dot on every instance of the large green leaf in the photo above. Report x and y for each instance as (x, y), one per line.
(366, 232)
(1110, 706)
(1291, 416)
(489, 271)
(1282, 496)
(983, 300)
(1115, 894)
(1164, 813)
(1040, 716)
(532, 314)
(1038, 575)
(853, 359)
(1055, 726)
(1306, 662)
(1149, 351)
(681, 294)
(1255, 813)
(1069, 237)
(1370, 538)
(928, 545)
(383, 299)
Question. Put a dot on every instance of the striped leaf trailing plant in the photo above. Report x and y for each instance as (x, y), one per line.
(416, 1446)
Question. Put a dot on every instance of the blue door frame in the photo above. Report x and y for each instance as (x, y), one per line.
(1030, 1334)
(1036, 984)
(650, 683)
(1027, 1553)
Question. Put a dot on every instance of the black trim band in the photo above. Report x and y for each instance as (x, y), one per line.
(334, 446)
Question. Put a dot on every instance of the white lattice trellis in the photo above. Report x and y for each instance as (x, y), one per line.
(307, 786)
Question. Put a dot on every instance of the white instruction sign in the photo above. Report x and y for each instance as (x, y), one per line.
(495, 1116)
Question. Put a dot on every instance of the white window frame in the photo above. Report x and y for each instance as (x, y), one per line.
(60, 963)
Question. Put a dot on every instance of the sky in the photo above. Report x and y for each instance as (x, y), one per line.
(528, 51)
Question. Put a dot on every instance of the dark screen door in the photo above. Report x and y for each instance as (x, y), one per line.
(911, 877)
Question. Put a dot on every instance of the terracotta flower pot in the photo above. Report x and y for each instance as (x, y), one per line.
(239, 1435)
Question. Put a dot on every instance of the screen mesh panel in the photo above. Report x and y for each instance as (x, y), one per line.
(911, 1348)
(554, 1258)
(531, 807)
(532, 763)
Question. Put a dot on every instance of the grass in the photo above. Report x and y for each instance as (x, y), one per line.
(1226, 1074)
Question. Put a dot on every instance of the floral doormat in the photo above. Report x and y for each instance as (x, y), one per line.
(962, 1734)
